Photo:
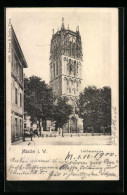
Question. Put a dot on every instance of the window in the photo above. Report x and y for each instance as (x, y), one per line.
(54, 51)
(20, 73)
(77, 68)
(56, 68)
(74, 67)
(70, 48)
(51, 71)
(20, 100)
(73, 49)
(16, 127)
(16, 94)
(70, 66)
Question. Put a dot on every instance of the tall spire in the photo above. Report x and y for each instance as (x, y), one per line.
(77, 29)
(62, 23)
(68, 26)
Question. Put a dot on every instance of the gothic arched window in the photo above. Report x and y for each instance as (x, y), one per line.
(70, 66)
(54, 51)
(51, 71)
(77, 50)
(74, 67)
(77, 68)
(54, 69)
(70, 48)
(73, 49)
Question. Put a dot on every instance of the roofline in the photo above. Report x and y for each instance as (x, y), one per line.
(67, 30)
(24, 60)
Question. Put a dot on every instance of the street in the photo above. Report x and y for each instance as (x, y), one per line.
(67, 140)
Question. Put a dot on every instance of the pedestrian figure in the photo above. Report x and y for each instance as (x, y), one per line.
(35, 132)
(31, 132)
(24, 135)
(40, 130)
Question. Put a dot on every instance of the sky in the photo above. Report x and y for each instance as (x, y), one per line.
(34, 26)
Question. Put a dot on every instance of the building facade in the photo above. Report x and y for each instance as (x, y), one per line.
(18, 62)
(66, 71)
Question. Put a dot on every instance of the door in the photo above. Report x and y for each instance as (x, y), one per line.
(73, 125)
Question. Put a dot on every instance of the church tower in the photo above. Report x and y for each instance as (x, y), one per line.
(66, 65)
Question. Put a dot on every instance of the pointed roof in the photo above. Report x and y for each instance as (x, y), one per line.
(62, 27)
(18, 48)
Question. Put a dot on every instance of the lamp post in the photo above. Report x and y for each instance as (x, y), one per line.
(23, 135)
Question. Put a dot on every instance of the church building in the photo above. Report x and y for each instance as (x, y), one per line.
(66, 60)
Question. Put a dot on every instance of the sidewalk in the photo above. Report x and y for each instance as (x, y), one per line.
(68, 140)
(21, 142)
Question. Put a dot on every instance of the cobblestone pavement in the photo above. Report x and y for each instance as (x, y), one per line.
(68, 140)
